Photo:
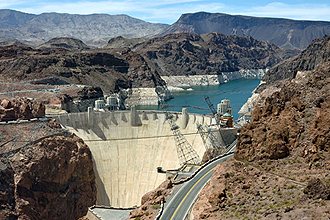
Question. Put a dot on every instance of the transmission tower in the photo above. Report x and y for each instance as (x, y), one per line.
(185, 151)
(214, 112)
(213, 140)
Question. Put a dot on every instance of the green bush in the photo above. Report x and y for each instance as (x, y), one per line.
(155, 206)
(291, 187)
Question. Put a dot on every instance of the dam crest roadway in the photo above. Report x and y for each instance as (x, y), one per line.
(128, 146)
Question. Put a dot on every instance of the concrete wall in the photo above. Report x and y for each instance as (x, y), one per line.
(128, 146)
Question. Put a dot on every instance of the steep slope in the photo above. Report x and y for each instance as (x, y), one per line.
(315, 54)
(46, 173)
(63, 42)
(121, 42)
(109, 70)
(208, 54)
(94, 29)
(282, 158)
(285, 33)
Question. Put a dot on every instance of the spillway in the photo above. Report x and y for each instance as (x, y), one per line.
(128, 146)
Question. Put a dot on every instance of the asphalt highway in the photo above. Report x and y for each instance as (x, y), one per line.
(181, 203)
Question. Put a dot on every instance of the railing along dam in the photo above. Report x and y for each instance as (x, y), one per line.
(128, 146)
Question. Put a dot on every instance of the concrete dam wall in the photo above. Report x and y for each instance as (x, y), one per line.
(128, 146)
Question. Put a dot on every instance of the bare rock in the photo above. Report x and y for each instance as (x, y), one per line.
(21, 108)
(151, 201)
(52, 179)
(316, 189)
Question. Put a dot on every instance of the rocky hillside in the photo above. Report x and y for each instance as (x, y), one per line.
(208, 54)
(63, 42)
(94, 29)
(285, 33)
(121, 42)
(281, 164)
(11, 43)
(315, 54)
(45, 173)
(111, 70)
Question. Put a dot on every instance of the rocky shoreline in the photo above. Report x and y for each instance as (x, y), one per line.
(177, 82)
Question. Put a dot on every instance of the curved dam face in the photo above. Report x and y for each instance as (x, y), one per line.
(128, 146)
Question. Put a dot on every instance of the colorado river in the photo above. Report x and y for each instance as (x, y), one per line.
(237, 91)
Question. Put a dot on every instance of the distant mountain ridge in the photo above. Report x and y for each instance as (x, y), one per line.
(93, 29)
(285, 33)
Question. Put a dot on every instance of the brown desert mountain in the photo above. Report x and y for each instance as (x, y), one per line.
(285, 33)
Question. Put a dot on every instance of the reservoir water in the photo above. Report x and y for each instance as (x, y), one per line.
(237, 91)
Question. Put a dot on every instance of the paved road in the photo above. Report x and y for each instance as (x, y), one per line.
(181, 203)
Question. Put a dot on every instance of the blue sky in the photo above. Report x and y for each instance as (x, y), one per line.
(168, 11)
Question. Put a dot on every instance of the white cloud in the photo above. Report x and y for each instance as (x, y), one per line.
(150, 10)
(173, 13)
(298, 11)
(7, 4)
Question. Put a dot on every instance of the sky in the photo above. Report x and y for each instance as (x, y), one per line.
(169, 11)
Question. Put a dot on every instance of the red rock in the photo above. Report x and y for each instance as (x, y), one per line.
(5, 103)
(21, 109)
(52, 179)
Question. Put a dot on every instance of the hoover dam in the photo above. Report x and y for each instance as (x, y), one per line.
(128, 146)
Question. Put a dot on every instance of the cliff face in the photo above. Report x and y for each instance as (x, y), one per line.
(315, 54)
(208, 54)
(45, 173)
(52, 179)
(281, 163)
(285, 33)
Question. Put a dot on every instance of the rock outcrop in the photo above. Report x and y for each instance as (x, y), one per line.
(20, 109)
(315, 54)
(45, 173)
(63, 42)
(122, 42)
(50, 179)
(90, 93)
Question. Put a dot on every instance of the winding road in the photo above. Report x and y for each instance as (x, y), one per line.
(181, 203)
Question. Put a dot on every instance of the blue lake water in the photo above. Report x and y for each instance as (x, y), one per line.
(237, 91)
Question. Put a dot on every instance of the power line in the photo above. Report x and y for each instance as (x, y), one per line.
(130, 138)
